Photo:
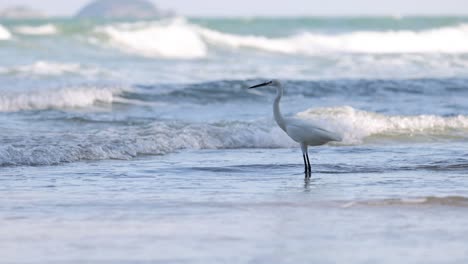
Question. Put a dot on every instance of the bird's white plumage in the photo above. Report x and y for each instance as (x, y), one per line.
(306, 132)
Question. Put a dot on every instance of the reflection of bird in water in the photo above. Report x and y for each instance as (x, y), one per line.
(301, 131)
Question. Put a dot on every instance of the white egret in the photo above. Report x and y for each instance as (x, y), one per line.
(304, 132)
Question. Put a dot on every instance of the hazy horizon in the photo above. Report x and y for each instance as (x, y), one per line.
(241, 8)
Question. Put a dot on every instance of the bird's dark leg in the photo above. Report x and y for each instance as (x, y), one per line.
(305, 163)
(306, 160)
(308, 164)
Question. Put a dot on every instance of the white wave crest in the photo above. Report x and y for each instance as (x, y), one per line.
(47, 68)
(4, 33)
(57, 98)
(443, 40)
(357, 125)
(128, 142)
(180, 39)
(42, 30)
(175, 39)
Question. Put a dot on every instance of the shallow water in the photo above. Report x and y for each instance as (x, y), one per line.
(135, 148)
(374, 204)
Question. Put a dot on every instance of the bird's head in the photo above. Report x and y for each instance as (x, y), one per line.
(274, 83)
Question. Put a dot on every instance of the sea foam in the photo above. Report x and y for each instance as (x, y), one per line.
(49, 68)
(457, 201)
(41, 30)
(4, 33)
(61, 98)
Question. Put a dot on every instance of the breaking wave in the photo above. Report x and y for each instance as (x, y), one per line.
(442, 40)
(160, 137)
(357, 125)
(61, 98)
(4, 33)
(180, 39)
(128, 142)
(174, 39)
(42, 30)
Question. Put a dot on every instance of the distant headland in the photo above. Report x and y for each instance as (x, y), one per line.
(121, 9)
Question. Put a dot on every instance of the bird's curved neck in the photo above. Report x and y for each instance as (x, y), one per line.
(276, 108)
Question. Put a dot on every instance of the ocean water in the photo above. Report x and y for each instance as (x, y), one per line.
(139, 142)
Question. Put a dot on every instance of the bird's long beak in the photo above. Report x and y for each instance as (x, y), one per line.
(260, 85)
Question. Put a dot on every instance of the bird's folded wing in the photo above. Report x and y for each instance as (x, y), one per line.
(302, 131)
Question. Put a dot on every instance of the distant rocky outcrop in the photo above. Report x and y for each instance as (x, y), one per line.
(120, 9)
(20, 12)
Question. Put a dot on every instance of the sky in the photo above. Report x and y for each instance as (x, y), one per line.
(272, 7)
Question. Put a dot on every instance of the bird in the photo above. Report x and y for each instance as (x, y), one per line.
(303, 132)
